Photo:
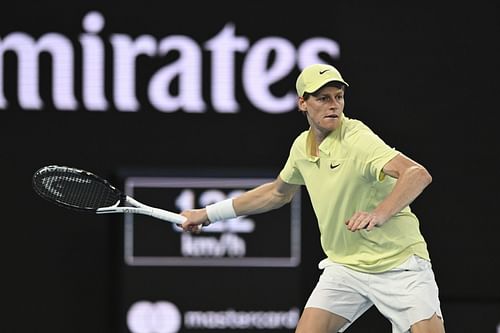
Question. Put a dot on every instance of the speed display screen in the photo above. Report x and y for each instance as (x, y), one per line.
(232, 266)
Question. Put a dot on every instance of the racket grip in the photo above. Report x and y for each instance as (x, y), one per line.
(169, 216)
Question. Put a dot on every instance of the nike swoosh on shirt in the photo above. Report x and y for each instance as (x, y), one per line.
(334, 166)
(323, 71)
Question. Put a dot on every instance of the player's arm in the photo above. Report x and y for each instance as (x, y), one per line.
(265, 197)
(261, 199)
(412, 179)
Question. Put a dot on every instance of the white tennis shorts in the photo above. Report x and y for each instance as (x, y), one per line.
(404, 295)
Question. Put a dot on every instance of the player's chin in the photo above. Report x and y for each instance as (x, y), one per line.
(330, 124)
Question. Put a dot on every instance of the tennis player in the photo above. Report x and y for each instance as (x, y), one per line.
(360, 189)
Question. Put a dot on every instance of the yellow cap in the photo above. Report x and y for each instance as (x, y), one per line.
(315, 76)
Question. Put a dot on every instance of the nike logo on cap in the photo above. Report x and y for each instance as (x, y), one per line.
(323, 71)
(334, 166)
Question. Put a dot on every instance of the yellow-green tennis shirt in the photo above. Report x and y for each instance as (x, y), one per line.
(345, 178)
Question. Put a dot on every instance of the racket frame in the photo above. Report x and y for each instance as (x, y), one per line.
(134, 206)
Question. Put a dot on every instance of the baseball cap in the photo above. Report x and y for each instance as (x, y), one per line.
(315, 76)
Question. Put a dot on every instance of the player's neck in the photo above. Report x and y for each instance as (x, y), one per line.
(315, 139)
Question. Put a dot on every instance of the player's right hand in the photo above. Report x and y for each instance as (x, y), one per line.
(195, 219)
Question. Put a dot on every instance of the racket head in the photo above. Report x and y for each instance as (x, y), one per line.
(74, 188)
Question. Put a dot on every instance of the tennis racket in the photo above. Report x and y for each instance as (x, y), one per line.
(84, 191)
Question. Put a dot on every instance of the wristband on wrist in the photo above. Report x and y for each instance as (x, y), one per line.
(221, 210)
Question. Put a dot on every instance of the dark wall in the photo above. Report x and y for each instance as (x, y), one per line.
(424, 77)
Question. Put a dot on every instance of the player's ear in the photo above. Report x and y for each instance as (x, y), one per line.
(301, 104)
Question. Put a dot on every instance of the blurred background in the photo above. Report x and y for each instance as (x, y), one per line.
(180, 103)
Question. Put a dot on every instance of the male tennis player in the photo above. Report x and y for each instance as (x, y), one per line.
(360, 190)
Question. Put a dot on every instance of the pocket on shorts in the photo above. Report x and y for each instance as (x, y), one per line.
(325, 263)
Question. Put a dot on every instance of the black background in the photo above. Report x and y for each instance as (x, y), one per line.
(423, 76)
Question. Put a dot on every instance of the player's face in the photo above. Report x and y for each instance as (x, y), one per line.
(324, 109)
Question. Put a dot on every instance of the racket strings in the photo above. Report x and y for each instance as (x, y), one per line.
(77, 190)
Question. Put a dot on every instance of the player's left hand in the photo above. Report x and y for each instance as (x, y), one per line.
(364, 220)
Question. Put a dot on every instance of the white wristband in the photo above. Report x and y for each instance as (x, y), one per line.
(221, 210)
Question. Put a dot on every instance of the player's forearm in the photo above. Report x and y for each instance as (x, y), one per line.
(261, 199)
(408, 187)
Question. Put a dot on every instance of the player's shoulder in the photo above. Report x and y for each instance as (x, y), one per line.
(301, 137)
(352, 128)
(299, 143)
(359, 137)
